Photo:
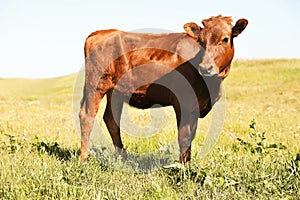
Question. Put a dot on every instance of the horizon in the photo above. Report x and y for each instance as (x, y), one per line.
(81, 70)
(45, 40)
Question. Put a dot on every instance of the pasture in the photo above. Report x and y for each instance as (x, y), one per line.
(257, 155)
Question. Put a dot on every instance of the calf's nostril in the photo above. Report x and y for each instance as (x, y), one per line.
(210, 69)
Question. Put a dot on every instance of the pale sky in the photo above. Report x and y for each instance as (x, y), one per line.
(41, 39)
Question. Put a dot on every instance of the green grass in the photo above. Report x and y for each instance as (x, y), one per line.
(256, 157)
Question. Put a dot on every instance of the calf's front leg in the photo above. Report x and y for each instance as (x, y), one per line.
(187, 126)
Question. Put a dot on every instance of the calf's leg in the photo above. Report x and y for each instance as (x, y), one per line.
(187, 126)
(88, 111)
(112, 116)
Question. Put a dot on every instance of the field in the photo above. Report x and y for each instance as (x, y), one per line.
(257, 155)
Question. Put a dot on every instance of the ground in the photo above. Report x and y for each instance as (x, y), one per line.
(257, 155)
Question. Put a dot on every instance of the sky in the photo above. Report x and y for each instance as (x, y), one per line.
(43, 39)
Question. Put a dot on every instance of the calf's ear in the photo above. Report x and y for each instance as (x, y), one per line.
(192, 29)
(239, 27)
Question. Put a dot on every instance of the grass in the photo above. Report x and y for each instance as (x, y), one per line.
(256, 157)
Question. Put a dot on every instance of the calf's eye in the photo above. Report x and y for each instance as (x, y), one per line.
(225, 40)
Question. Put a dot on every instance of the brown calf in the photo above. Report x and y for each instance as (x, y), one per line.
(183, 70)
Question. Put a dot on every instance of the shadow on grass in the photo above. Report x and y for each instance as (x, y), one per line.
(53, 149)
(177, 176)
(134, 163)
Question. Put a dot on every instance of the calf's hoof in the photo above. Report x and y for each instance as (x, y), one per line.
(121, 152)
(84, 155)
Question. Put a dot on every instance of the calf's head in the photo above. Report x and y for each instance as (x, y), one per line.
(216, 38)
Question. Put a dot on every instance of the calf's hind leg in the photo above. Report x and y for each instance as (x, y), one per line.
(112, 116)
(88, 111)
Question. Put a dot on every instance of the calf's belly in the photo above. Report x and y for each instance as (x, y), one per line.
(154, 96)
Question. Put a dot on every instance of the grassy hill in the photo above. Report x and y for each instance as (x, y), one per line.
(257, 154)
